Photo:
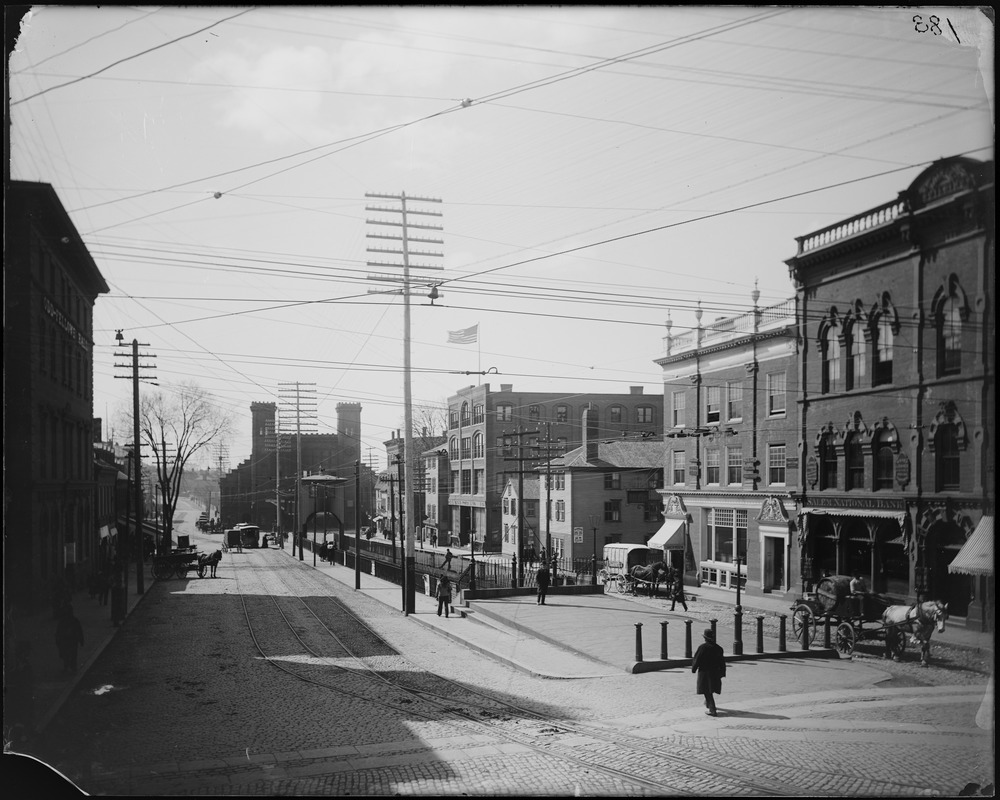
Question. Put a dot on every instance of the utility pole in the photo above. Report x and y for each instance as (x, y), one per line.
(275, 440)
(403, 254)
(305, 415)
(137, 459)
(357, 526)
(520, 434)
(548, 456)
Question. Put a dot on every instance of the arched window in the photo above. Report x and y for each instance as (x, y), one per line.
(465, 413)
(947, 459)
(856, 367)
(949, 337)
(453, 448)
(883, 350)
(828, 460)
(478, 451)
(831, 359)
(855, 454)
(884, 446)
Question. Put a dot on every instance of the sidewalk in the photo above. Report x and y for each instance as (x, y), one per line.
(32, 696)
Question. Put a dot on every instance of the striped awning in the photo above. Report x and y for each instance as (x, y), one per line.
(670, 536)
(976, 555)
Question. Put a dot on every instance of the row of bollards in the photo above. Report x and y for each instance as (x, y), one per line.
(738, 619)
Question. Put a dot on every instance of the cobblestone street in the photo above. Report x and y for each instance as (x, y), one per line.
(184, 702)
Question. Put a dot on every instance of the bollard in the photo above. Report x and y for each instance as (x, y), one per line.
(687, 638)
(715, 634)
(781, 632)
(738, 635)
(513, 572)
(826, 631)
(663, 640)
(760, 633)
(638, 641)
(805, 632)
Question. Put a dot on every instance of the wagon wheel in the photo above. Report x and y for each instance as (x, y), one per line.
(604, 578)
(846, 638)
(162, 570)
(622, 582)
(800, 617)
(181, 570)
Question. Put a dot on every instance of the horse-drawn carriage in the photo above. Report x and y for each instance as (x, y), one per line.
(856, 617)
(179, 562)
(631, 567)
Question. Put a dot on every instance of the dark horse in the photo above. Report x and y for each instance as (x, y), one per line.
(652, 575)
(917, 620)
(209, 562)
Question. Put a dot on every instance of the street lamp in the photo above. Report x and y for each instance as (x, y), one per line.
(593, 564)
(738, 634)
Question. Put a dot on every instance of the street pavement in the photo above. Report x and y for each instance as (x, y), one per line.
(580, 638)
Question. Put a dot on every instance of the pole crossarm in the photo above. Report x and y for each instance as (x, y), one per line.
(405, 211)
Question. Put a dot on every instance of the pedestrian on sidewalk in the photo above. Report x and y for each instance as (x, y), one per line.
(677, 594)
(542, 579)
(443, 595)
(69, 637)
(448, 556)
(104, 586)
(710, 663)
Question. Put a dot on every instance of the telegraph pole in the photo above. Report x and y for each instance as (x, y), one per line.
(301, 404)
(404, 253)
(137, 459)
(520, 434)
(548, 489)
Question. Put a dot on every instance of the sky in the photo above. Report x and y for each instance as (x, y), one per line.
(597, 170)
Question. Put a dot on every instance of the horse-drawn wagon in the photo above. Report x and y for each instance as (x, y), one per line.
(181, 561)
(630, 567)
(856, 617)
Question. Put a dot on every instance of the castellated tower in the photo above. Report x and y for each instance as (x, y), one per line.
(263, 418)
(349, 428)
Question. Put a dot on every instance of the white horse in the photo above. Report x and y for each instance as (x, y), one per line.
(917, 620)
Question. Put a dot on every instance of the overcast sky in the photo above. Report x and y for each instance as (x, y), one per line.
(598, 170)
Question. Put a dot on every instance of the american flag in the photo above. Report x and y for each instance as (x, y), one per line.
(464, 336)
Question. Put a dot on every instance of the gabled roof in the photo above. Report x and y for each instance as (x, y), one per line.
(621, 454)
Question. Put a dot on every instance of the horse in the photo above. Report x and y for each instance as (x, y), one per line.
(210, 562)
(918, 620)
(653, 574)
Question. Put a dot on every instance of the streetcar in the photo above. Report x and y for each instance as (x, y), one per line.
(243, 535)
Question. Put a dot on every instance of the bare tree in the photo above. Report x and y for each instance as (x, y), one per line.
(175, 426)
(429, 422)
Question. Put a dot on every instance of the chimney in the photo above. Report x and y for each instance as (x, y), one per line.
(591, 431)
(635, 389)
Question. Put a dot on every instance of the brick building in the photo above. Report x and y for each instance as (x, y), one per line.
(731, 450)
(248, 492)
(50, 286)
(896, 397)
(482, 448)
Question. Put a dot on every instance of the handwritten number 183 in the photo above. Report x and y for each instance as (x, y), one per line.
(922, 27)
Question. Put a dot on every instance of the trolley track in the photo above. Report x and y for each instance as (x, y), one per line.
(369, 670)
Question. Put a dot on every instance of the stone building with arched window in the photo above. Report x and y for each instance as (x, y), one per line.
(896, 396)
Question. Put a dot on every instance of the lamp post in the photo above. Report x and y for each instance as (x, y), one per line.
(593, 563)
(738, 633)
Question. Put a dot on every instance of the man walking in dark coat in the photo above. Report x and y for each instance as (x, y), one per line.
(710, 664)
(542, 579)
(69, 637)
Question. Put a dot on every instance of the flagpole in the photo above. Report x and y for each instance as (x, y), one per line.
(479, 356)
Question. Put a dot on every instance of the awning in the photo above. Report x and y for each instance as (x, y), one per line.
(899, 516)
(976, 555)
(670, 536)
